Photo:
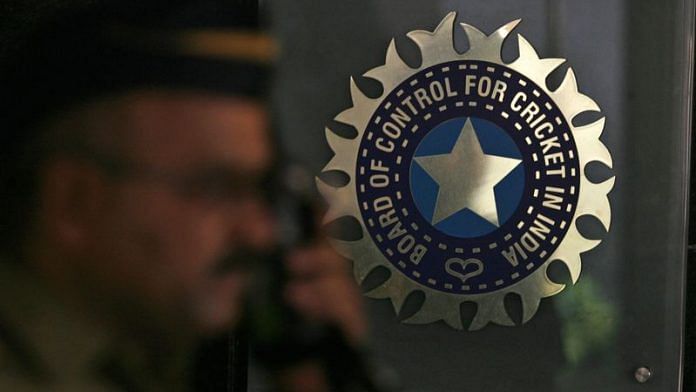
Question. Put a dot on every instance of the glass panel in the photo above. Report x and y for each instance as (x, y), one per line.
(625, 311)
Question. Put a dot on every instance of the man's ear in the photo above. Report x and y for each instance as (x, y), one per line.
(71, 201)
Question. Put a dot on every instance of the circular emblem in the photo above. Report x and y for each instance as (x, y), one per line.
(467, 177)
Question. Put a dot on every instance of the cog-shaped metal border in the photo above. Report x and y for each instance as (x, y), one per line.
(437, 47)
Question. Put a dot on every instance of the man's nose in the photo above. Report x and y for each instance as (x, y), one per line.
(256, 223)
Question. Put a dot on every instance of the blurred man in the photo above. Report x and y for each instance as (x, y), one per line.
(135, 147)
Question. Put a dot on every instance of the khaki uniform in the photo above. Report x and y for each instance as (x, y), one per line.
(47, 346)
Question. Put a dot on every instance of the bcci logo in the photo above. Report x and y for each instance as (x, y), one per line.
(467, 177)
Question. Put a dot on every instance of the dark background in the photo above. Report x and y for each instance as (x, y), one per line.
(626, 311)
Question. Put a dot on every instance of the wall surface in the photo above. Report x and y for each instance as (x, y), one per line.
(625, 311)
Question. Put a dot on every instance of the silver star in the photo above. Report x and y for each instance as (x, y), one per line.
(466, 177)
